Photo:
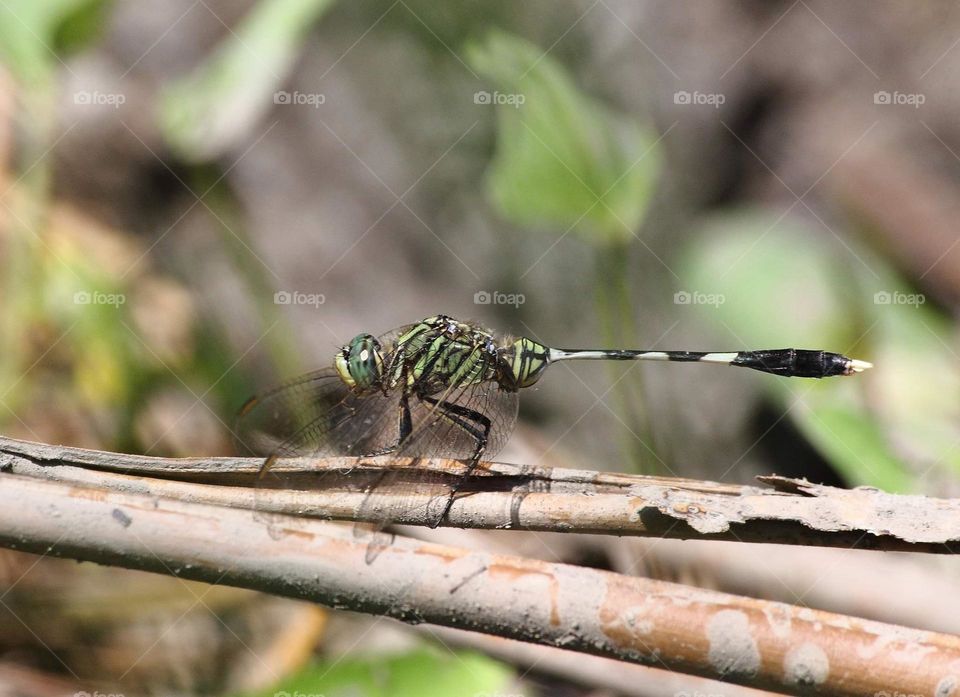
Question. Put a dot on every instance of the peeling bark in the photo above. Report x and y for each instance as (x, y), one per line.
(502, 496)
(656, 623)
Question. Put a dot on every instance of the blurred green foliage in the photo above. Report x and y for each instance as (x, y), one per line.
(82, 24)
(784, 284)
(72, 286)
(32, 36)
(92, 306)
(419, 673)
(211, 109)
(565, 161)
(29, 33)
(562, 158)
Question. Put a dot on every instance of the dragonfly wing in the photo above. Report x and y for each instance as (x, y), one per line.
(446, 427)
(318, 415)
(315, 415)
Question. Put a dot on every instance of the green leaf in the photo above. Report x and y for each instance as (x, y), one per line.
(212, 108)
(916, 380)
(854, 442)
(86, 21)
(421, 673)
(27, 35)
(562, 157)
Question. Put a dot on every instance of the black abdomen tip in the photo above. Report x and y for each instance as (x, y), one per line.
(800, 363)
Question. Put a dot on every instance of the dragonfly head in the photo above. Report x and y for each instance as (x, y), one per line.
(359, 363)
(524, 362)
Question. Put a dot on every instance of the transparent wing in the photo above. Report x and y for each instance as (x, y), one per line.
(444, 428)
(315, 415)
(318, 415)
(450, 425)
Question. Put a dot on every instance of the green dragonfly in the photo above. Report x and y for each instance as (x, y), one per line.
(448, 389)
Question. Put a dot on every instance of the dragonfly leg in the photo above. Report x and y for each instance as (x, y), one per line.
(405, 428)
(381, 541)
(477, 425)
(265, 467)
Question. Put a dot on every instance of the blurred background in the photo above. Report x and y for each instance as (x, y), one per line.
(201, 198)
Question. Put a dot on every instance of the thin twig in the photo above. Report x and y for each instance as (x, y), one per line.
(705, 633)
(503, 496)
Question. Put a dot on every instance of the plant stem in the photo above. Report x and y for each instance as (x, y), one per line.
(618, 330)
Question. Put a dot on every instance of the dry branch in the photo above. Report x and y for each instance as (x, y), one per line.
(532, 498)
(711, 634)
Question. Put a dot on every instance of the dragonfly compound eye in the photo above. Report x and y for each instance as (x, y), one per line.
(359, 363)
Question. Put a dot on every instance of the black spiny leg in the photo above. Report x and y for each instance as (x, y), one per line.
(468, 420)
(380, 541)
(404, 428)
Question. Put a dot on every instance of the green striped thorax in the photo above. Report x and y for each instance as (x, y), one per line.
(441, 353)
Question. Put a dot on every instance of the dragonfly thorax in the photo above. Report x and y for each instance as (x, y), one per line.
(360, 362)
(441, 354)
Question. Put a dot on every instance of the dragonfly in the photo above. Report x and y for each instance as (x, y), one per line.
(445, 388)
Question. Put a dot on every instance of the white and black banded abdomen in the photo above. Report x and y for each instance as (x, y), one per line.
(788, 362)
